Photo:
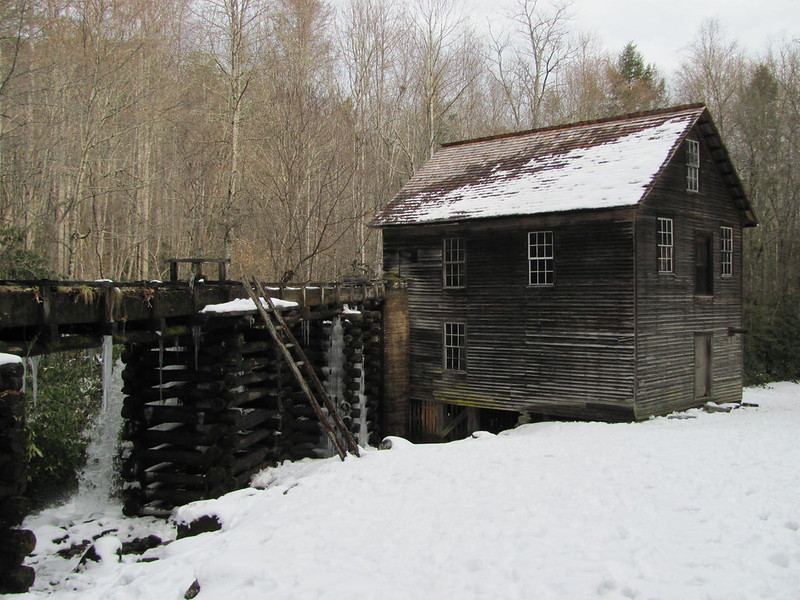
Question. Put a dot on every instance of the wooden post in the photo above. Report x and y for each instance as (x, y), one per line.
(396, 347)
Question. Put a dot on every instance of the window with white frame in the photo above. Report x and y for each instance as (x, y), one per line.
(455, 346)
(726, 251)
(665, 246)
(454, 262)
(540, 258)
(692, 165)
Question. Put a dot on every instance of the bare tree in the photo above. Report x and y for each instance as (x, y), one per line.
(712, 73)
(234, 30)
(441, 49)
(527, 62)
(585, 87)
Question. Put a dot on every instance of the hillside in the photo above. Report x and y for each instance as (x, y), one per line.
(702, 506)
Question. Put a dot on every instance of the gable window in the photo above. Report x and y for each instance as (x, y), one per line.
(540, 258)
(692, 165)
(454, 262)
(726, 251)
(703, 265)
(665, 246)
(455, 346)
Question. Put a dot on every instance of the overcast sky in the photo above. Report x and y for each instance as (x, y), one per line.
(662, 29)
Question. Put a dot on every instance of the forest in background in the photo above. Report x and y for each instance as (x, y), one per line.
(271, 131)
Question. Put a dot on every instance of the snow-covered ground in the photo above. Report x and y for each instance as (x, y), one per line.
(706, 506)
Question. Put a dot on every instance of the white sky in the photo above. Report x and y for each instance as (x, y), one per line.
(662, 29)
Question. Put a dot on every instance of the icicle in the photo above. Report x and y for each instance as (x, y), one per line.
(33, 369)
(363, 432)
(96, 480)
(107, 362)
(196, 333)
(335, 369)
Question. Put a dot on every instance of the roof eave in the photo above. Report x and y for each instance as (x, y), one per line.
(720, 155)
(469, 220)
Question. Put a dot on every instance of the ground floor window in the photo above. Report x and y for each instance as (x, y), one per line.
(455, 346)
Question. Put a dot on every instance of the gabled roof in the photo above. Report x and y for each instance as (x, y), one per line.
(609, 163)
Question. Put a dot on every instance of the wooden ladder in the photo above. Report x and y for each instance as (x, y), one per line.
(303, 371)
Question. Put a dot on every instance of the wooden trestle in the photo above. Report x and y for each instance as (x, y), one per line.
(207, 408)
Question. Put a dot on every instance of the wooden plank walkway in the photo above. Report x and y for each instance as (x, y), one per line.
(45, 315)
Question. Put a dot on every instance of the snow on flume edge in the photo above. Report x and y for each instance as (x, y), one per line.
(245, 305)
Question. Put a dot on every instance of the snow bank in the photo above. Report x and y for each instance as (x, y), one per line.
(700, 507)
(7, 359)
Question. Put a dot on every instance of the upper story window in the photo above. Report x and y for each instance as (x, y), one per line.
(454, 262)
(703, 265)
(726, 251)
(665, 246)
(540, 258)
(455, 346)
(692, 165)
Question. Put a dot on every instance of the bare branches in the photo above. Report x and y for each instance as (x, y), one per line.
(527, 62)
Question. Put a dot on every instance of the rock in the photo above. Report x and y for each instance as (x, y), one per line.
(141, 545)
(204, 524)
(193, 590)
(106, 550)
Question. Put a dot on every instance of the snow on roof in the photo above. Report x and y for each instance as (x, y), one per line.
(593, 165)
(245, 305)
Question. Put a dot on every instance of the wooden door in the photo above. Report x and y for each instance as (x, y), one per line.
(703, 366)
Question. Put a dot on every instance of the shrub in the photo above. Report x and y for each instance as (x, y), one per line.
(68, 399)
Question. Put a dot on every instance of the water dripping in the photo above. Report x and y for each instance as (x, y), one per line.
(107, 363)
(97, 479)
(335, 369)
(31, 364)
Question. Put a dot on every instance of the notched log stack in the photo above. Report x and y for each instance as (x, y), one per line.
(202, 414)
(363, 372)
(16, 544)
(204, 411)
(301, 433)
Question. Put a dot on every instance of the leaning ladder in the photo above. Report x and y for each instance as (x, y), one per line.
(303, 371)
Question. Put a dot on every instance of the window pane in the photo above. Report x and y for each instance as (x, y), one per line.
(540, 258)
(692, 165)
(455, 344)
(726, 251)
(665, 246)
(454, 266)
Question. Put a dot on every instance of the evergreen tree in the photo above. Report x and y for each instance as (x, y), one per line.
(634, 85)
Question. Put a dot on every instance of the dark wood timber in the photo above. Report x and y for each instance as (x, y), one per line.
(291, 349)
(611, 337)
(42, 316)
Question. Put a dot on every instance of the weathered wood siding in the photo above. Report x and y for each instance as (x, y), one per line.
(669, 314)
(566, 349)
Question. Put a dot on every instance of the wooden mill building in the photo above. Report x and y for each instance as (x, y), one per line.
(587, 271)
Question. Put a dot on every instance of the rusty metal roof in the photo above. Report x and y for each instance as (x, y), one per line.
(590, 165)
